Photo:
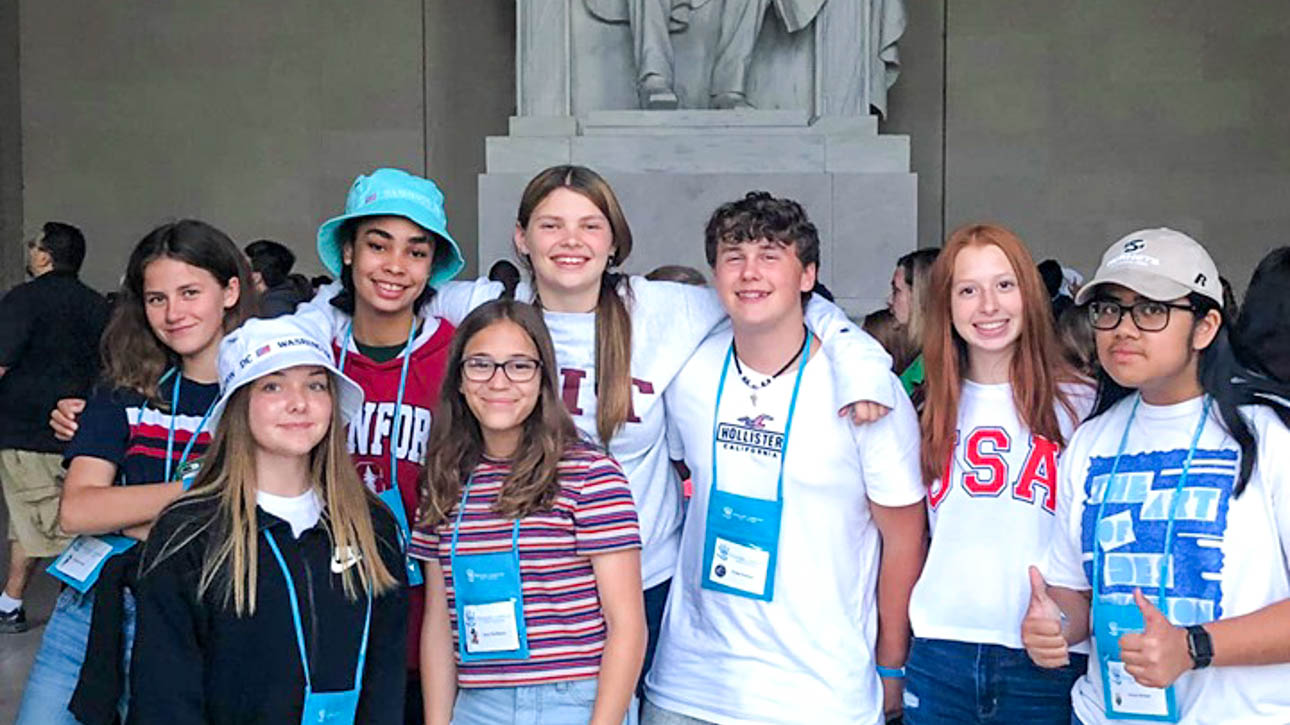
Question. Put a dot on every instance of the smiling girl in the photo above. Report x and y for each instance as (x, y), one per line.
(1000, 406)
(1173, 510)
(530, 540)
(186, 284)
(273, 591)
(391, 249)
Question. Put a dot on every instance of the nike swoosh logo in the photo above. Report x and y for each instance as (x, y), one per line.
(338, 566)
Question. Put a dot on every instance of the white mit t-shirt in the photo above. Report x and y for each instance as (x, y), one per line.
(669, 320)
(1229, 554)
(807, 655)
(991, 519)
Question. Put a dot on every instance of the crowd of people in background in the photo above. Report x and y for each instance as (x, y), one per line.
(560, 493)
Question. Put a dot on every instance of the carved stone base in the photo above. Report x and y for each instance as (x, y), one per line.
(672, 169)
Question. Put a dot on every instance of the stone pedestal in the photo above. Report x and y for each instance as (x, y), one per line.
(671, 169)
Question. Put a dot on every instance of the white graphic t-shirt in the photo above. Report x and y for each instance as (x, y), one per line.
(807, 655)
(991, 518)
(1228, 557)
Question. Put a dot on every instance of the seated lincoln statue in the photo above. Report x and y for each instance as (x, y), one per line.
(653, 21)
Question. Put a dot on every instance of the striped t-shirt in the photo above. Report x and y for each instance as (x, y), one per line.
(119, 427)
(593, 514)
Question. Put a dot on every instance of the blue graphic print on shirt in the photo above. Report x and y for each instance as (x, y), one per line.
(1135, 520)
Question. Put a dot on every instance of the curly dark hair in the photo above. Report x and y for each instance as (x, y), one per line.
(760, 216)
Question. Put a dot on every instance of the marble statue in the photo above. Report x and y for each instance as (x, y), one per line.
(653, 21)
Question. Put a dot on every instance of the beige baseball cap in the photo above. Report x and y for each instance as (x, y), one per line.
(1162, 264)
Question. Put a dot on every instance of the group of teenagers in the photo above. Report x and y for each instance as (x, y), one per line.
(419, 499)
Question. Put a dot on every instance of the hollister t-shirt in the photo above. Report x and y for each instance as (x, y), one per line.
(806, 655)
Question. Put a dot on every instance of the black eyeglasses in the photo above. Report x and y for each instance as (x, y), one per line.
(1148, 315)
(517, 369)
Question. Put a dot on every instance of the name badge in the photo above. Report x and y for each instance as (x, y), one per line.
(739, 567)
(394, 501)
(81, 563)
(330, 708)
(491, 627)
(1125, 698)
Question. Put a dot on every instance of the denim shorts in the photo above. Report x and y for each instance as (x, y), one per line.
(559, 703)
(58, 661)
(988, 684)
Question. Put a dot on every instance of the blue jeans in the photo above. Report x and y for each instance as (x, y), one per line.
(559, 703)
(961, 682)
(58, 662)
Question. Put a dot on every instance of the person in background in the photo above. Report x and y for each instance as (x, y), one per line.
(186, 285)
(531, 543)
(1075, 335)
(273, 590)
(271, 265)
(505, 272)
(883, 327)
(906, 302)
(1051, 271)
(1173, 511)
(1261, 335)
(49, 332)
(1000, 407)
(677, 273)
(319, 281)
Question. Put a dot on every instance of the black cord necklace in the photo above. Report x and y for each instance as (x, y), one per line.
(754, 387)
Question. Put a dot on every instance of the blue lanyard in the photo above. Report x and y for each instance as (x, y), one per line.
(1173, 505)
(398, 403)
(515, 528)
(788, 424)
(300, 630)
(174, 411)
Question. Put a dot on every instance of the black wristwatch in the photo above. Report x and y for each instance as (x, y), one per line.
(1199, 646)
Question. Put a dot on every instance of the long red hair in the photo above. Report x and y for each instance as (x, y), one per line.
(1037, 367)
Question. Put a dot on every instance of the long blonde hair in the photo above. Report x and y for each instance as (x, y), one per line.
(227, 476)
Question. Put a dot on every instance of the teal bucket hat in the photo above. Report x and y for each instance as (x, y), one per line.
(393, 192)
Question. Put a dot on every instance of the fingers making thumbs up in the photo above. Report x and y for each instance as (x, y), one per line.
(1158, 655)
(1041, 630)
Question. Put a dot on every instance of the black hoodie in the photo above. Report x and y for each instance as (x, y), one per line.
(196, 661)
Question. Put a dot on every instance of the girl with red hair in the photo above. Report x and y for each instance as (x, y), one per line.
(1001, 403)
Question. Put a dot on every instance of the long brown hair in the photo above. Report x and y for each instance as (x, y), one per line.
(613, 320)
(457, 444)
(1037, 367)
(916, 268)
(133, 357)
(227, 476)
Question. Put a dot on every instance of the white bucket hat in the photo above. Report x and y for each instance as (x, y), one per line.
(260, 347)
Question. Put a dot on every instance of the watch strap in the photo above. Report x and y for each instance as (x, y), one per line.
(1199, 646)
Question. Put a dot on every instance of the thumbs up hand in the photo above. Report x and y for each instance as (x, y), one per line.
(1041, 629)
(1159, 655)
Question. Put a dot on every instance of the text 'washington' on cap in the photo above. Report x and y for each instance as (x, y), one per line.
(393, 192)
(1160, 264)
(260, 347)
